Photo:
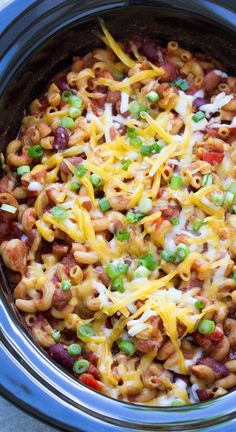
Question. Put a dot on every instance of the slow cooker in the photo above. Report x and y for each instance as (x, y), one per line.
(38, 38)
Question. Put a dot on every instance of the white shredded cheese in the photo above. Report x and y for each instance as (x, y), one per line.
(220, 100)
(102, 290)
(124, 102)
(34, 186)
(108, 121)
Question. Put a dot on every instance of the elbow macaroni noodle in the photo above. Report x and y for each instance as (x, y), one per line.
(118, 222)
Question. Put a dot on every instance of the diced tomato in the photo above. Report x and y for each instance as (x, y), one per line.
(90, 381)
(217, 334)
(213, 157)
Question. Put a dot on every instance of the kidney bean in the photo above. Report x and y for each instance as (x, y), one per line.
(62, 83)
(199, 102)
(204, 395)
(152, 51)
(61, 138)
(211, 81)
(4, 229)
(61, 356)
(61, 298)
(170, 72)
(102, 276)
(220, 369)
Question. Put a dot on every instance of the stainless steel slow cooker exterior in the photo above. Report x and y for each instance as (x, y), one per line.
(37, 38)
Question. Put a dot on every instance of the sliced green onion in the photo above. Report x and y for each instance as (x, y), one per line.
(66, 96)
(206, 326)
(75, 101)
(56, 335)
(148, 261)
(153, 96)
(177, 402)
(134, 217)
(36, 151)
(134, 108)
(125, 164)
(229, 198)
(122, 235)
(145, 205)
(182, 251)
(141, 272)
(217, 199)
(122, 268)
(136, 142)
(197, 225)
(171, 84)
(104, 204)
(168, 256)
(24, 169)
(118, 284)
(80, 171)
(176, 182)
(111, 271)
(131, 132)
(127, 347)
(174, 220)
(8, 208)
(234, 276)
(207, 180)
(95, 179)
(198, 116)
(80, 366)
(74, 349)
(232, 188)
(74, 185)
(119, 75)
(59, 212)
(67, 122)
(234, 208)
(75, 112)
(85, 332)
(146, 150)
(182, 84)
(66, 285)
(199, 304)
(158, 146)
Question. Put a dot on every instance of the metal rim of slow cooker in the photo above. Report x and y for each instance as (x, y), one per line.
(44, 388)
